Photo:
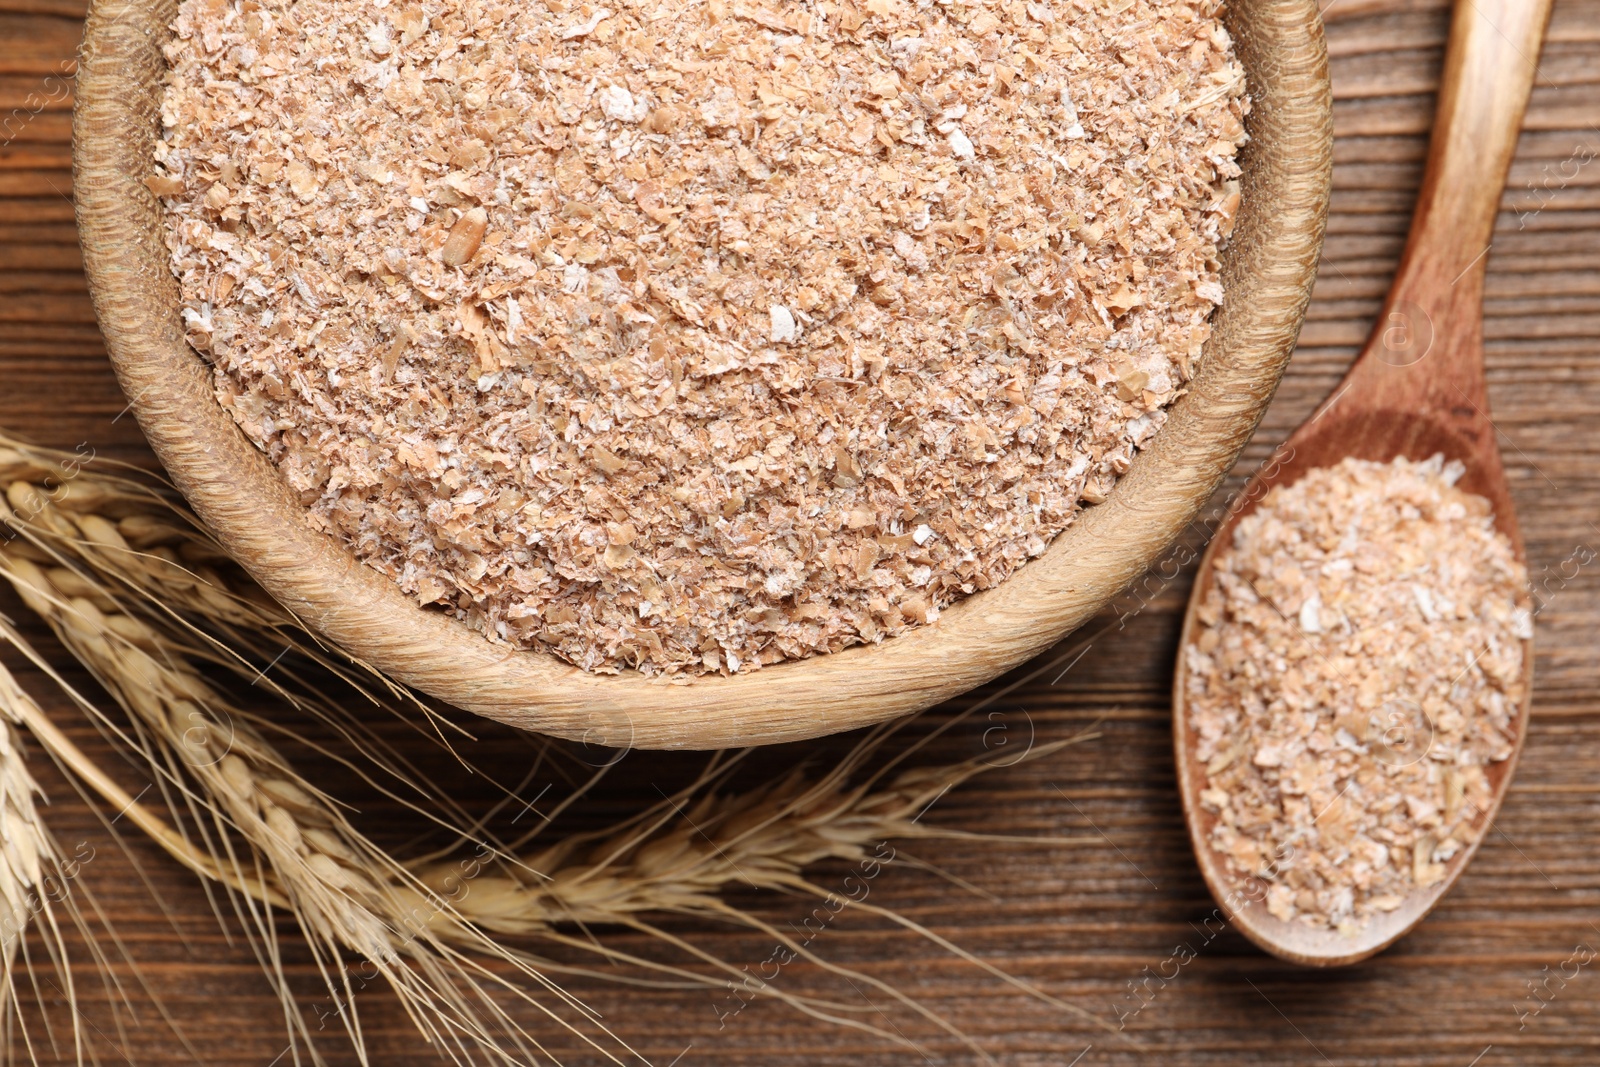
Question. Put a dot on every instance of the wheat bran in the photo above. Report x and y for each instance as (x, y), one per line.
(694, 336)
(1358, 667)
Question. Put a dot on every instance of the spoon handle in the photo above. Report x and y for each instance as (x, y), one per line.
(1436, 300)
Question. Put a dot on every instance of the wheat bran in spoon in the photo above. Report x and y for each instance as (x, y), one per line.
(1358, 666)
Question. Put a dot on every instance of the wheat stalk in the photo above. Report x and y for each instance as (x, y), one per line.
(36, 889)
(344, 891)
(26, 850)
(87, 536)
(127, 535)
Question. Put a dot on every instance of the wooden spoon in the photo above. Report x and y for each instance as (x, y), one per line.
(1417, 389)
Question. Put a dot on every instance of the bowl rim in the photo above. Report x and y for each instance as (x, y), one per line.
(1268, 270)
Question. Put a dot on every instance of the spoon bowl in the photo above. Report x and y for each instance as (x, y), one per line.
(1416, 390)
(1380, 436)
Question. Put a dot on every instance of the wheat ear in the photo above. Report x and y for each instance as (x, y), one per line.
(24, 848)
(37, 881)
(26, 853)
(344, 891)
(676, 859)
(82, 528)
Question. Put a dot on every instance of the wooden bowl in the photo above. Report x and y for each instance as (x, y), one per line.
(1268, 271)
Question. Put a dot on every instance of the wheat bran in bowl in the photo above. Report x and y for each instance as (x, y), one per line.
(1358, 670)
(693, 337)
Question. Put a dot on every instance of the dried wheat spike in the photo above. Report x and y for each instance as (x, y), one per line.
(36, 884)
(345, 891)
(676, 860)
(25, 849)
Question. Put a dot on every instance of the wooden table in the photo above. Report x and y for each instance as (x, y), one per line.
(1103, 923)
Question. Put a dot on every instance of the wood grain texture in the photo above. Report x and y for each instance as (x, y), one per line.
(1096, 924)
(1417, 390)
(1268, 270)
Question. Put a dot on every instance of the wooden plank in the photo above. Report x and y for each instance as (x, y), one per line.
(41, 233)
(23, 125)
(22, 155)
(32, 210)
(38, 43)
(37, 255)
(36, 183)
(35, 95)
(47, 307)
(67, 9)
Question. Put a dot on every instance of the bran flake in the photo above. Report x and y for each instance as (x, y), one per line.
(1358, 668)
(688, 335)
